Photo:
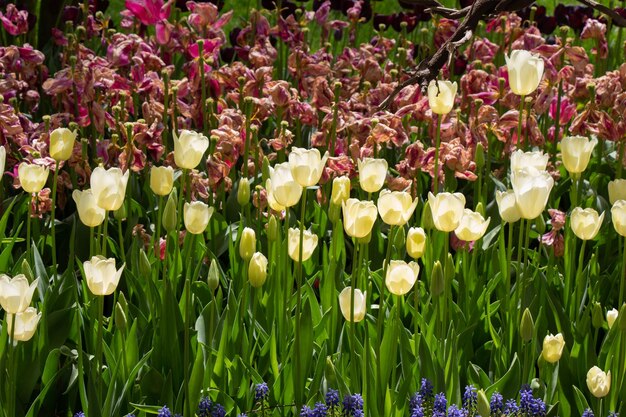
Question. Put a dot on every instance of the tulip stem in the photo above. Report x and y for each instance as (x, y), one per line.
(157, 232)
(622, 278)
(120, 235)
(518, 276)
(381, 307)
(437, 143)
(12, 360)
(187, 403)
(298, 371)
(526, 265)
(520, 139)
(52, 219)
(99, 342)
(353, 281)
(104, 233)
(579, 283)
(28, 232)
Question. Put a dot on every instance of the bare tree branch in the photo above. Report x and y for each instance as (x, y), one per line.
(429, 68)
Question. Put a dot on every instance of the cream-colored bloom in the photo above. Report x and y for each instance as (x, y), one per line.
(401, 276)
(617, 190)
(283, 187)
(472, 226)
(309, 243)
(189, 148)
(416, 242)
(534, 159)
(396, 207)
(532, 189)
(618, 216)
(358, 217)
(341, 190)
(161, 180)
(307, 165)
(62, 143)
(16, 293)
(576, 152)
(196, 216)
(441, 95)
(3, 160)
(447, 210)
(372, 173)
(257, 270)
(525, 71)
(247, 243)
(32, 177)
(586, 223)
(89, 212)
(101, 275)
(611, 316)
(109, 187)
(598, 382)
(25, 324)
(271, 201)
(507, 206)
(360, 305)
(553, 348)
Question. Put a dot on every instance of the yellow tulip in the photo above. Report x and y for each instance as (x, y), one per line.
(396, 207)
(358, 217)
(360, 305)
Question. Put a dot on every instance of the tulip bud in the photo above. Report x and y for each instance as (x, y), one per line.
(553, 348)
(480, 208)
(257, 270)
(161, 180)
(243, 192)
(62, 144)
(247, 244)
(272, 229)
(527, 327)
(611, 316)
(358, 217)
(333, 212)
(449, 270)
(427, 217)
(525, 71)
(576, 152)
(170, 217)
(120, 213)
(483, 407)
(196, 216)
(341, 190)
(309, 243)
(507, 206)
(597, 318)
(598, 382)
(618, 216)
(144, 264)
(306, 165)
(265, 169)
(27, 271)
(360, 304)
(416, 242)
(213, 279)
(437, 282)
(372, 174)
(399, 238)
(586, 223)
(120, 317)
(32, 177)
(121, 298)
(109, 187)
(617, 190)
(447, 210)
(101, 275)
(396, 207)
(441, 95)
(189, 148)
(479, 156)
(16, 293)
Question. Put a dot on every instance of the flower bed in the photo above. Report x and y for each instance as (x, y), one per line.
(224, 211)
